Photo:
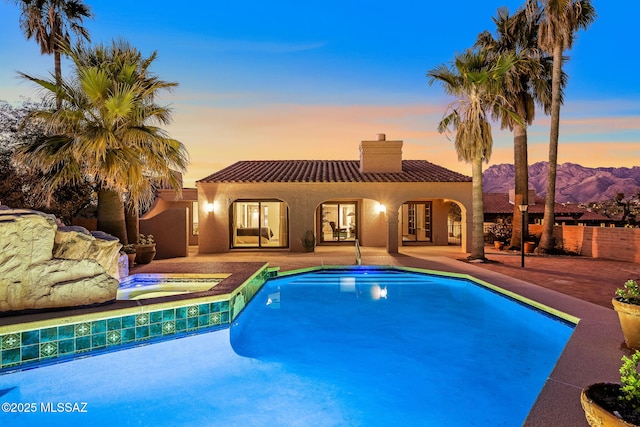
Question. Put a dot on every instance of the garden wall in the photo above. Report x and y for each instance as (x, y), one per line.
(621, 244)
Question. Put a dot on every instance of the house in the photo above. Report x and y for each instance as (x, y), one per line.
(380, 200)
(498, 206)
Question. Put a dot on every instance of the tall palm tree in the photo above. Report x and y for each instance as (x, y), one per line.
(475, 79)
(560, 21)
(50, 22)
(525, 84)
(108, 129)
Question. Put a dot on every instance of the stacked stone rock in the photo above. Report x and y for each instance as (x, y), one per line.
(42, 266)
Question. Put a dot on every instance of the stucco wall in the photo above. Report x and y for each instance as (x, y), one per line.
(303, 198)
(622, 244)
(170, 230)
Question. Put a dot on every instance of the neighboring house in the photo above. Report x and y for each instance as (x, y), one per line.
(380, 200)
(499, 206)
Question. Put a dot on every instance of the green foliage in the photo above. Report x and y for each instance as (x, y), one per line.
(630, 380)
(128, 249)
(309, 240)
(629, 293)
(146, 240)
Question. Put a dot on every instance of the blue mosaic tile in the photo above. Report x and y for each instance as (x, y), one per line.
(114, 337)
(83, 329)
(216, 306)
(83, 343)
(214, 318)
(155, 317)
(10, 357)
(98, 341)
(203, 321)
(128, 335)
(114, 324)
(66, 346)
(30, 337)
(48, 349)
(155, 329)
(192, 311)
(181, 325)
(142, 319)
(224, 317)
(142, 332)
(10, 341)
(30, 352)
(98, 327)
(169, 327)
(66, 332)
(128, 322)
(192, 323)
(168, 315)
(49, 334)
(204, 309)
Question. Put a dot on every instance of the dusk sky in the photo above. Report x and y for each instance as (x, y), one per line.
(285, 80)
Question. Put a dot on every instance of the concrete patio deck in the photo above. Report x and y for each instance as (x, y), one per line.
(581, 287)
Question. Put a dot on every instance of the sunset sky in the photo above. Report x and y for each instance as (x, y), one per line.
(309, 80)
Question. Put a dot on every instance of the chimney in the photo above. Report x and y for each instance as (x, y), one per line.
(381, 155)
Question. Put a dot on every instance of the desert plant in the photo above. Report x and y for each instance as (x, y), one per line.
(630, 379)
(629, 293)
(146, 240)
(308, 240)
(128, 249)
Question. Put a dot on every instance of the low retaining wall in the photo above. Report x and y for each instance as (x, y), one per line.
(620, 244)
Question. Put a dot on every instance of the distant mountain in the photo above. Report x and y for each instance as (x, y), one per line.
(574, 183)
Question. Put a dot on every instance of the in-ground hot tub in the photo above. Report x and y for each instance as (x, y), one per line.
(143, 286)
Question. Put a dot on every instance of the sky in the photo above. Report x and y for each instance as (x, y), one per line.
(290, 80)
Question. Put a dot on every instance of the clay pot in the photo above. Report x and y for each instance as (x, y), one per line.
(595, 414)
(529, 247)
(145, 253)
(629, 316)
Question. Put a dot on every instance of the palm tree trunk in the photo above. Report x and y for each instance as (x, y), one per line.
(111, 215)
(131, 216)
(546, 241)
(521, 166)
(477, 232)
(58, 74)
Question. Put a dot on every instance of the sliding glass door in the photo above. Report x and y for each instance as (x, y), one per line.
(416, 222)
(259, 224)
(339, 222)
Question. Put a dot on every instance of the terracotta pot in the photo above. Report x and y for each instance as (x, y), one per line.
(629, 316)
(596, 415)
(145, 253)
(498, 244)
(132, 259)
(529, 247)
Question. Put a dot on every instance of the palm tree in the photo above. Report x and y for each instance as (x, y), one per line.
(525, 84)
(475, 79)
(107, 129)
(49, 23)
(560, 21)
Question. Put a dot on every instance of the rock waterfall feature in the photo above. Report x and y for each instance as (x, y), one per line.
(43, 266)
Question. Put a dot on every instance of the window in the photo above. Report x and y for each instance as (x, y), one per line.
(339, 222)
(259, 224)
(416, 222)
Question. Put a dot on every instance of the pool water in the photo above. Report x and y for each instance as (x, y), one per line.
(144, 286)
(328, 348)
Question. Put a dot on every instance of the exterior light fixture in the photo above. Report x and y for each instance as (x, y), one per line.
(523, 209)
(209, 207)
(381, 208)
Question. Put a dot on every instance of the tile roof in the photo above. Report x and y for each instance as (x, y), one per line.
(330, 171)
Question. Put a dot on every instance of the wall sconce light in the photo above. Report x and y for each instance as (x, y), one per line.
(381, 208)
(209, 207)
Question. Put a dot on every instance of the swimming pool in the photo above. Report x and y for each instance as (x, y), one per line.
(332, 347)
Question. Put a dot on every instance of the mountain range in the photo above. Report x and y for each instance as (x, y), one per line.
(574, 183)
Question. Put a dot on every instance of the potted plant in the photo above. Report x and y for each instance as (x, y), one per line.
(308, 241)
(145, 249)
(610, 404)
(131, 253)
(627, 305)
